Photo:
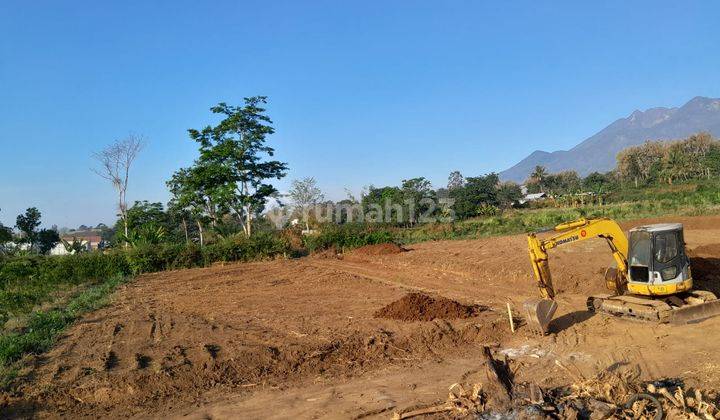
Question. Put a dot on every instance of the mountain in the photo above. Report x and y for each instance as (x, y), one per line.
(597, 153)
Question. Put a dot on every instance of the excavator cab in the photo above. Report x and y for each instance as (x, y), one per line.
(657, 263)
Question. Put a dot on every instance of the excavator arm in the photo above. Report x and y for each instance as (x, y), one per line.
(540, 312)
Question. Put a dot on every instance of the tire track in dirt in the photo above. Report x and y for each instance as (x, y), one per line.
(389, 276)
(370, 274)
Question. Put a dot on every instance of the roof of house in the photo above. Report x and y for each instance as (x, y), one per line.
(82, 237)
(535, 196)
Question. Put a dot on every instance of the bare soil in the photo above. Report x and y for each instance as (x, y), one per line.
(378, 249)
(301, 338)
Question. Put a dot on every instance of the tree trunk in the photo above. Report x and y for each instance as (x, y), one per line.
(200, 230)
(185, 229)
(123, 213)
(125, 223)
(248, 228)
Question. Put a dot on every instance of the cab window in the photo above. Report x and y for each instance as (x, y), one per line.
(666, 246)
(640, 253)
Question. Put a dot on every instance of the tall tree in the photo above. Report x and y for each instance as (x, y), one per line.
(455, 180)
(115, 162)
(508, 193)
(236, 159)
(28, 223)
(46, 240)
(305, 194)
(478, 191)
(538, 175)
(418, 199)
(5, 234)
(599, 183)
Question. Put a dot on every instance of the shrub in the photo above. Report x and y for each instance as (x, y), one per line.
(347, 236)
(241, 248)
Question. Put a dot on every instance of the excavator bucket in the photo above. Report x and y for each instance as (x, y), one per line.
(539, 313)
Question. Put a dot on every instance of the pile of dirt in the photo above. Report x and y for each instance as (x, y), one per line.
(388, 248)
(421, 307)
(711, 250)
(328, 254)
(705, 263)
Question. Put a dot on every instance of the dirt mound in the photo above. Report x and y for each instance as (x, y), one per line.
(705, 262)
(328, 254)
(421, 307)
(711, 250)
(388, 248)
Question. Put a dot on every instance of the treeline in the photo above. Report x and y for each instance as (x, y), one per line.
(416, 201)
(696, 157)
(653, 162)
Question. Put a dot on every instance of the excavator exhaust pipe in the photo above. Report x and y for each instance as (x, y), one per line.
(539, 313)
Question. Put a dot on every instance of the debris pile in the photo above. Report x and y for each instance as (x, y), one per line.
(621, 394)
(613, 393)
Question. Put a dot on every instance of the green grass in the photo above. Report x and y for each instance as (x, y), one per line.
(27, 282)
(43, 327)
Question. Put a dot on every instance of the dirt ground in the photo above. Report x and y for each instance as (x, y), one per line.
(307, 338)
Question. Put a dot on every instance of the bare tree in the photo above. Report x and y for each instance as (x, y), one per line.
(115, 161)
(305, 194)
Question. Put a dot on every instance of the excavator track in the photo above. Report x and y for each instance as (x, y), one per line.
(684, 308)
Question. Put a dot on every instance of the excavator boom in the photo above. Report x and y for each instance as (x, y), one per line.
(540, 312)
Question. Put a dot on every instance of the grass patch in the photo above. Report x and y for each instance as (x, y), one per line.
(345, 237)
(44, 327)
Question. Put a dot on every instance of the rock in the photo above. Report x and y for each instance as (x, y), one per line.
(568, 412)
(600, 410)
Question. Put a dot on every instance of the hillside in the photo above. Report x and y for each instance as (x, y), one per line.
(597, 153)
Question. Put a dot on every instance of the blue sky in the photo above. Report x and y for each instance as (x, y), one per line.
(361, 93)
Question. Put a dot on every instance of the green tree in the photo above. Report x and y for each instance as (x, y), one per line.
(46, 240)
(201, 192)
(599, 183)
(27, 224)
(419, 199)
(477, 192)
(5, 235)
(538, 175)
(145, 212)
(566, 182)
(74, 247)
(508, 193)
(235, 160)
(711, 161)
(384, 204)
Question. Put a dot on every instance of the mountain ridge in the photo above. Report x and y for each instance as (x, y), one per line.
(598, 152)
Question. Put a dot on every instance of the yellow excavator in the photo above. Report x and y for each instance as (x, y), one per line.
(652, 280)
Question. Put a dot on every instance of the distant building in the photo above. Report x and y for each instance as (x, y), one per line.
(532, 197)
(90, 239)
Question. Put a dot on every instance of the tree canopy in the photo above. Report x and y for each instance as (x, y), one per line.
(231, 174)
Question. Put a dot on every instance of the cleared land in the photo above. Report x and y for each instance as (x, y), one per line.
(315, 337)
